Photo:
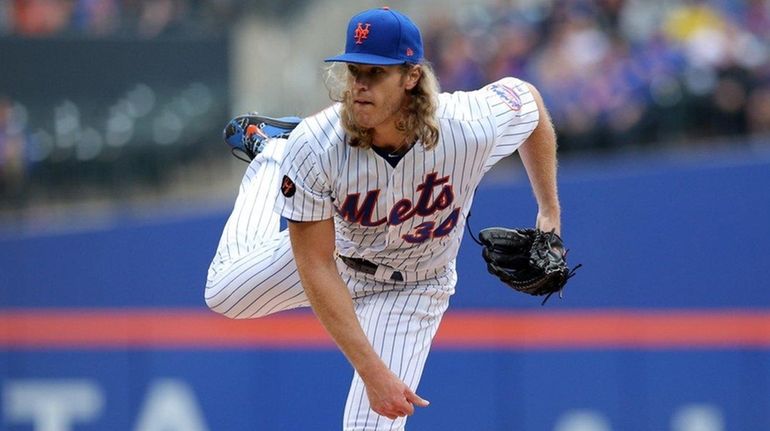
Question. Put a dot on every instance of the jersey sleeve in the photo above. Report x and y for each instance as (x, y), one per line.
(514, 113)
(305, 194)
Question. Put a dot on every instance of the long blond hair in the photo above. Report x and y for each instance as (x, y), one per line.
(418, 119)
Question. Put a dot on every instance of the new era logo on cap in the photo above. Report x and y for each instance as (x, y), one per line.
(381, 37)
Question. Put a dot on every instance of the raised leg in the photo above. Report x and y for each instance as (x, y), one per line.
(253, 272)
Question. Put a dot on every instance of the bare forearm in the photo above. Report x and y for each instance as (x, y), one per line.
(331, 301)
(538, 154)
(333, 306)
(542, 175)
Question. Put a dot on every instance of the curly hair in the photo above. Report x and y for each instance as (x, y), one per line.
(418, 117)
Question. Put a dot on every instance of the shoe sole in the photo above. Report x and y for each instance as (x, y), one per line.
(273, 122)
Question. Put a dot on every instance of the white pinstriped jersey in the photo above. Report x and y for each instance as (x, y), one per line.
(411, 216)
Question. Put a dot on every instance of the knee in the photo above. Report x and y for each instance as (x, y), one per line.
(216, 305)
(217, 301)
(228, 304)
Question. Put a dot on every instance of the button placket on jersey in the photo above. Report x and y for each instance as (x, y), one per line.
(395, 185)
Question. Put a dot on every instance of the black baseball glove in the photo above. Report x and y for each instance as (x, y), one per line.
(527, 260)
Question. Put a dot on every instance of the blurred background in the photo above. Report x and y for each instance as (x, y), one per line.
(115, 184)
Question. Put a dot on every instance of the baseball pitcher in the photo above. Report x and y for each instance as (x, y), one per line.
(377, 188)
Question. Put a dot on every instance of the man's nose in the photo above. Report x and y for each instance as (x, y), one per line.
(361, 82)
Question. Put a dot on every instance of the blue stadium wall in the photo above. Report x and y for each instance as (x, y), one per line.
(657, 234)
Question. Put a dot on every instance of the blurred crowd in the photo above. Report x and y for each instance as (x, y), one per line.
(140, 18)
(131, 18)
(619, 73)
(615, 74)
(134, 140)
(67, 126)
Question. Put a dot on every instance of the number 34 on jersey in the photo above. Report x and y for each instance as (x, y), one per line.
(424, 205)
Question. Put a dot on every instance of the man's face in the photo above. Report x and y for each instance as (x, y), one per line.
(378, 93)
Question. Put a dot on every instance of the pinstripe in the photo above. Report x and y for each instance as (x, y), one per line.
(296, 301)
(323, 129)
(364, 310)
(230, 233)
(389, 352)
(235, 267)
(473, 125)
(474, 154)
(243, 266)
(407, 316)
(253, 266)
(248, 216)
(292, 297)
(274, 290)
(466, 150)
(428, 326)
(253, 188)
(253, 272)
(423, 324)
(257, 283)
(400, 325)
(364, 314)
(378, 338)
(421, 327)
(375, 334)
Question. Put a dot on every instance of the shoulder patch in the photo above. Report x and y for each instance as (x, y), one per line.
(288, 188)
(506, 94)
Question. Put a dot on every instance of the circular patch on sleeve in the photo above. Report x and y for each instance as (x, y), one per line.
(288, 188)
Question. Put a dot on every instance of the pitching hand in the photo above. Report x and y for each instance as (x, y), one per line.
(390, 397)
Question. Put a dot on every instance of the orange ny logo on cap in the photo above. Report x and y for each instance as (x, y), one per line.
(361, 33)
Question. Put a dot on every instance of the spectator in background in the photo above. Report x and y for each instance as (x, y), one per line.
(12, 144)
(157, 17)
(96, 17)
(41, 17)
(616, 73)
(105, 18)
(758, 110)
(461, 70)
(619, 73)
(5, 18)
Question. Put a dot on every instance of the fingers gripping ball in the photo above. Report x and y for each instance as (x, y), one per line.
(527, 260)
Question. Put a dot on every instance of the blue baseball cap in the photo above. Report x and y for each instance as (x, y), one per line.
(381, 37)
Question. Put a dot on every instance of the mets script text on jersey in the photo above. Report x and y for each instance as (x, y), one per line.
(405, 209)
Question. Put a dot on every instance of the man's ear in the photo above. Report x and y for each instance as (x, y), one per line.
(413, 77)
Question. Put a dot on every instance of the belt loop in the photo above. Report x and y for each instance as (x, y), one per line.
(383, 272)
(379, 271)
(388, 273)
